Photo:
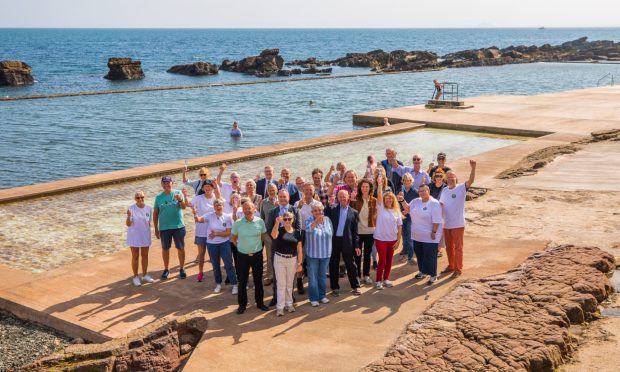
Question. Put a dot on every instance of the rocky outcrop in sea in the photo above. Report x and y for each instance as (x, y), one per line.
(124, 69)
(15, 73)
(378, 60)
(268, 63)
(195, 69)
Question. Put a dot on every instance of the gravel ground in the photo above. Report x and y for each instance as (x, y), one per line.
(22, 342)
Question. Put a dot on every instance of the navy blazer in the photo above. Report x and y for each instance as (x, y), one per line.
(261, 186)
(350, 239)
(396, 179)
(292, 192)
(271, 219)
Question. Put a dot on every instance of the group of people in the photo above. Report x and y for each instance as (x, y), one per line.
(325, 228)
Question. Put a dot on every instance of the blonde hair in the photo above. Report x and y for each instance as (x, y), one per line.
(394, 208)
(204, 170)
(250, 181)
(384, 176)
(407, 177)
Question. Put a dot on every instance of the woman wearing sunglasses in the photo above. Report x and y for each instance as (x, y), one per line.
(287, 260)
(138, 223)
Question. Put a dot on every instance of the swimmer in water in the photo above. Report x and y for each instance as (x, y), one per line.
(311, 103)
(235, 131)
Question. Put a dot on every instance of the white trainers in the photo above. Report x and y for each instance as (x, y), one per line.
(290, 309)
(379, 286)
(387, 284)
(147, 279)
(314, 303)
(367, 280)
(324, 300)
(235, 289)
(279, 312)
(218, 288)
(136, 281)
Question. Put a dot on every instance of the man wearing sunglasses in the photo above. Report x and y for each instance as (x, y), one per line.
(196, 185)
(420, 177)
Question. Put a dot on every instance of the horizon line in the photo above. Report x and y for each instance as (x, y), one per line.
(302, 28)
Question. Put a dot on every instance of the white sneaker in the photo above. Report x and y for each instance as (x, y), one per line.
(290, 309)
(147, 279)
(314, 303)
(324, 300)
(379, 286)
(279, 312)
(367, 280)
(387, 284)
(136, 281)
(235, 289)
(218, 288)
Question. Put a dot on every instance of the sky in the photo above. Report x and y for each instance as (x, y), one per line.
(308, 14)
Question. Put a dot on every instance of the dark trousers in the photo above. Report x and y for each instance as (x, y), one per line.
(366, 242)
(426, 254)
(347, 254)
(245, 262)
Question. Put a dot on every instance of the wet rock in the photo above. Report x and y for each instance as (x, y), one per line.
(398, 60)
(268, 63)
(195, 69)
(513, 321)
(306, 63)
(155, 347)
(124, 69)
(314, 70)
(285, 73)
(15, 73)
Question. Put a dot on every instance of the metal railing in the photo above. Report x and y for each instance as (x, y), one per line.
(611, 81)
(449, 92)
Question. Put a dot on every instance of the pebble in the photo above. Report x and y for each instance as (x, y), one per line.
(23, 342)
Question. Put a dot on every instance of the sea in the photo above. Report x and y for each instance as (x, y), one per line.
(53, 139)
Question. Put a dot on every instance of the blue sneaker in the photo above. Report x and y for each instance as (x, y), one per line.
(182, 274)
(165, 274)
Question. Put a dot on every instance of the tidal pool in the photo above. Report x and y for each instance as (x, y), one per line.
(45, 233)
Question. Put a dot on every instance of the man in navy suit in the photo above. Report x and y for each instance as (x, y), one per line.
(345, 242)
(285, 184)
(390, 171)
(261, 184)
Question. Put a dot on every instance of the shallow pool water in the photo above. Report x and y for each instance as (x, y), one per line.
(45, 233)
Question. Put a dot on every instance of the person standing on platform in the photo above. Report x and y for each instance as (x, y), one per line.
(420, 176)
(345, 243)
(408, 193)
(138, 224)
(453, 202)
(288, 258)
(169, 224)
(441, 165)
(438, 89)
(261, 183)
(267, 205)
(366, 206)
(202, 204)
(318, 250)
(247, 235)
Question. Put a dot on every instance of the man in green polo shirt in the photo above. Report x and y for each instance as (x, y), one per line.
(247, 236)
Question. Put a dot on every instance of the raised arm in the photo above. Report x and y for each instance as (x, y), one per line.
(380, 189)
(329, 173)
(218, 180)
(472, 174)
(275, 229)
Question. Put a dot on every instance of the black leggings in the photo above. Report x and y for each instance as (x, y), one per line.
(366, 243)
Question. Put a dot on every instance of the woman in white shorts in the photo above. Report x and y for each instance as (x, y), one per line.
(138, 223)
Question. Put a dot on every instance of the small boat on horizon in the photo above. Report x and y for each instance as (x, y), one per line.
(541, 28)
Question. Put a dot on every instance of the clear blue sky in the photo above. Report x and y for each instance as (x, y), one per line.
(313, 13)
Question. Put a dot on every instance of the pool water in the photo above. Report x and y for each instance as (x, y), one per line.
(45, 233)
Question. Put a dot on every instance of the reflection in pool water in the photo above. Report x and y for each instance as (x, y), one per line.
(45, 233)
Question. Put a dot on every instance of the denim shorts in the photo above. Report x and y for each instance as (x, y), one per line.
(178, 235)
(201, 241)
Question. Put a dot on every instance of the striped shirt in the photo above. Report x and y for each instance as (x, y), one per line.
(319, 241)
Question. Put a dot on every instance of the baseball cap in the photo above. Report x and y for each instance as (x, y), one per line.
(208, 182)
(166, 179)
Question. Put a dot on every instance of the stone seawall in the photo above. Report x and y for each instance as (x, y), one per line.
(510, 322)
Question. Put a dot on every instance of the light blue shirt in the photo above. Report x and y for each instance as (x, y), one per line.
(420, 178)
(318, 241)
(342, 220)
(282, 211)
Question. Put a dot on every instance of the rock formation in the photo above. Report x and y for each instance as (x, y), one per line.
(268, 63)
(576, 50)
(15, 73)
(124, 69)
(398, 60)
(513, 321)
(159, 346)
(195, 69)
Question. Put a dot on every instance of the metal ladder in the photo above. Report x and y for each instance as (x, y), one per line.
(452, 93)
(611, 82)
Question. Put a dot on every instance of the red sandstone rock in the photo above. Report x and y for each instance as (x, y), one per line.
(15, 73)
(514, 321)
(124, 69)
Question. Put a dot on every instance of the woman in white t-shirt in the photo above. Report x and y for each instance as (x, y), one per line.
(426, 221)
(138, 223)
(219, 225)
(387, 235)
(453, 201)
(202, 204)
